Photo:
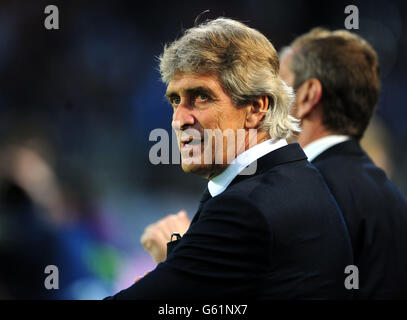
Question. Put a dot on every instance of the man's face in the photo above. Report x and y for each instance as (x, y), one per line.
(200, 103)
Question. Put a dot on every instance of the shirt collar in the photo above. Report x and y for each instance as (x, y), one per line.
(219, 183)
(315, 148)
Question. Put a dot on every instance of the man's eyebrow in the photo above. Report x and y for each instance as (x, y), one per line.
(170, 94)
(198, 90)
(191, 91)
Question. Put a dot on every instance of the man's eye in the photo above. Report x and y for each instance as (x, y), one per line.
(203, 97)
(175, 100)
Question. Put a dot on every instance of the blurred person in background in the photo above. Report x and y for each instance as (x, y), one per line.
(27, 243)
(45, 222)
(336, 79)
(275, 233)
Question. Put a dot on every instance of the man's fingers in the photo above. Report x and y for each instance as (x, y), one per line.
(154, 236)
(181, 222)
(165, 227)
(155, 243)
(172, 223)
(157, 235)
(182, 214)
(147, 235)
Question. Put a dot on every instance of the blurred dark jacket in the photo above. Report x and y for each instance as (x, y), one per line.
(376, 216)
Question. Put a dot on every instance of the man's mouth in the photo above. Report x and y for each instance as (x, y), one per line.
(190, 143)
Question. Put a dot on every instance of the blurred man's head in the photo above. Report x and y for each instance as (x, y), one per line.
(336, 78)
(223, 75)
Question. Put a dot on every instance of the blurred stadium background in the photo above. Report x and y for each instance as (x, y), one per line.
(77, 107)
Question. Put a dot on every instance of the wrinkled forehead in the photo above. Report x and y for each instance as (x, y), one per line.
(183, 81)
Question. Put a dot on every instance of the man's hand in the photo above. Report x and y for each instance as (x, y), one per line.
(157, 235)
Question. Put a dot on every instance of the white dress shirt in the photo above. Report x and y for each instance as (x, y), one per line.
(315, 148)
(219, 183)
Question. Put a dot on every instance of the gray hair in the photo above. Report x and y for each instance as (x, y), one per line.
(245, 63)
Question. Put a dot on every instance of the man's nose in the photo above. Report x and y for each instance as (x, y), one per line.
(182, 117)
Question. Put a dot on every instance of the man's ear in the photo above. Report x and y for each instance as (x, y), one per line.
(256, 111)
(308, 96)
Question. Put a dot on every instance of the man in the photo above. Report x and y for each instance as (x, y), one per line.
(336, 78)
(275, 233)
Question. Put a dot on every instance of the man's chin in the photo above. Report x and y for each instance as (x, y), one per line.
(202, 170)
(206, 171)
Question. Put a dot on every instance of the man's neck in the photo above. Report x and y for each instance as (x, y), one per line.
(319, 146)
(311, 133)
(250, 142)
(241, 164)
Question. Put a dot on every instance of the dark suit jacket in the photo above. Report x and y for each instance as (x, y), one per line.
(277, 234)
(376, 216)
